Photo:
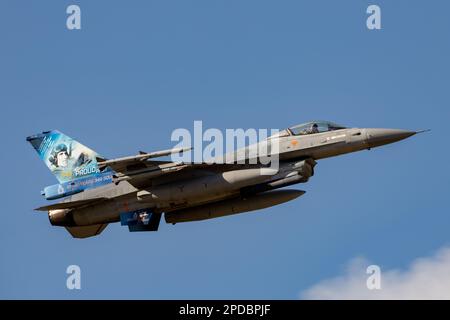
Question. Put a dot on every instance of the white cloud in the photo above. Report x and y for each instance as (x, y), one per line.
(425, 278)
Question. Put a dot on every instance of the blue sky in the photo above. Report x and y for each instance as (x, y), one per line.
(137, 71)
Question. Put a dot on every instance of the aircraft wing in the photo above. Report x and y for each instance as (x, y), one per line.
(69, 204)
(140, 167)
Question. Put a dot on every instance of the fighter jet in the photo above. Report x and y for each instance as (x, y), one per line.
(137, 190)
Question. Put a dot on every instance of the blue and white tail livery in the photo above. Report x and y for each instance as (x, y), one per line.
(73, 164)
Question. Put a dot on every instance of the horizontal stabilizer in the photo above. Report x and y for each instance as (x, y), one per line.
(86, 231)
(70, 204)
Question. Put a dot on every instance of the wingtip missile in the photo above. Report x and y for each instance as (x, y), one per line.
(142, 156)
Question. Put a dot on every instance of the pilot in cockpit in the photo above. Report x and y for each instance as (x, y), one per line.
(314, 128)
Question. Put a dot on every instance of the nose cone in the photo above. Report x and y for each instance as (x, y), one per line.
(379, 137)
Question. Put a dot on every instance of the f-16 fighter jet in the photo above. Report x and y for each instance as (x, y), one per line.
(137, 190)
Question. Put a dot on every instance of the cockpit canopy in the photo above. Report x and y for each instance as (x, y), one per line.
(314, 127)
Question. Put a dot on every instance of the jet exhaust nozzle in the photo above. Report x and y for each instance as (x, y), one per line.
(61, 218)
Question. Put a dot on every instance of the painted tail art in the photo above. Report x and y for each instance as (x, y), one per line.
(73, 164)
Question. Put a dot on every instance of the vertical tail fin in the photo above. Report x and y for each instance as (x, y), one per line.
(66, 158)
